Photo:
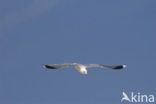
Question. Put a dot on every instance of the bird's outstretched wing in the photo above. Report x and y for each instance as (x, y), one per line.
(105, 66)
(57, 66)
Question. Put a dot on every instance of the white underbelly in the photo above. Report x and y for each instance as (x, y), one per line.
(81, 69)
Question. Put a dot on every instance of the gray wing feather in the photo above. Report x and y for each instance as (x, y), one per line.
(105, 66)
(57, 66)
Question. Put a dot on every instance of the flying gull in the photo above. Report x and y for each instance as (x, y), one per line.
(82, 67)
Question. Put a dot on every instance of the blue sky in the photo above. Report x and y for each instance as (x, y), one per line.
(35, 32)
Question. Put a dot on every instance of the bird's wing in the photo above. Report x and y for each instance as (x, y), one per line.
(105, 66)
(57, 66)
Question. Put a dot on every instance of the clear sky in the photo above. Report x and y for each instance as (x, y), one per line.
(111, 32)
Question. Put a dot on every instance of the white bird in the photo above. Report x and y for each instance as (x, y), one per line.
(82, 67)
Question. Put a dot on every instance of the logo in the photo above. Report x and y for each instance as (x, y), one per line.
(137, 97)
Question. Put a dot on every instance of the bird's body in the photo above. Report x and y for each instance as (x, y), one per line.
(82, 67)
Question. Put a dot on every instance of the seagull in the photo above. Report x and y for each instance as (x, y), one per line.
(82, 67)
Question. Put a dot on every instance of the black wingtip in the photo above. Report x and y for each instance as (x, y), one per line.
(49, 67)
(120, 66)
